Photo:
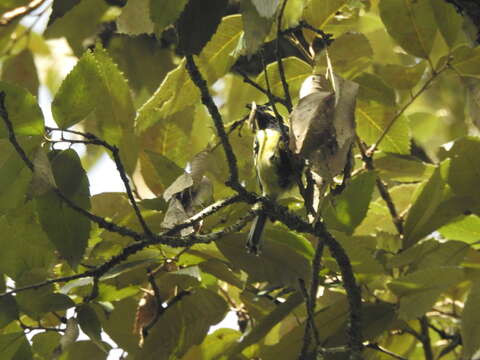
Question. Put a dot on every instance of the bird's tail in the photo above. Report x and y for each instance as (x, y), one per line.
(255, 235)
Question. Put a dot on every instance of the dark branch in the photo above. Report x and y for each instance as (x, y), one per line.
(281, 70)
(207, 100)
(382, 189)
(274, 98)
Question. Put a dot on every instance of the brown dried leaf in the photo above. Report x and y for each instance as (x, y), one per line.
(146, 311)
(323, 124)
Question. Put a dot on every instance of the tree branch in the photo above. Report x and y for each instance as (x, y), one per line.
(207, 100)
(281, 69)
(11, 15)
(382, 189)
(425, 338)
(249, 81)
(399, 113)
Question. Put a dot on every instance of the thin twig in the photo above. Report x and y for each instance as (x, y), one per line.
(382, 189)
(309, 323)
(425, 338)
(316, 262)
(173, 241)
(281, 69)
(385, 351)
(249, 81)
(209, 210)
(399, 113)
(207, 100)
(11, 15)
(158, 301)
(271, 101)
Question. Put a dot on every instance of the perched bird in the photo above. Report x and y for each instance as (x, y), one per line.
(275, 168)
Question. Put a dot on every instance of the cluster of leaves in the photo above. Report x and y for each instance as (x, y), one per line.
(121, 80)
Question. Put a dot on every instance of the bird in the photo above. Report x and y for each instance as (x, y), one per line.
(274, 166)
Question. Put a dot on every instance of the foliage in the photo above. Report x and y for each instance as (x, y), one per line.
(379, 261)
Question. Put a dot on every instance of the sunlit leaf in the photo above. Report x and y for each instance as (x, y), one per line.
(23, 111)
(214, 61)
(372, 121)
(448, 20)
(411, 24)
(135, 18)
(320, 12)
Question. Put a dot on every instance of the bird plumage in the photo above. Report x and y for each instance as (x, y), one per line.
(274, 166)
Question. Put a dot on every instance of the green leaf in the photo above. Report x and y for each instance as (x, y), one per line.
(135, 18)
(13, 193)
(14, 346)
(361, 252)
(183, 324)
(23, 111)
(65, 227)
(263, 327)
(96, 85)
(293, 13)
(143, 63)
(256, 27)
(465, 228)
(448, 20)
(401, 77)
(350, 53)
(372, 88)
(60, 8)
(88, 321)
(36, 304)
(378, 218)
(197, 24)
(78, 24)
(296, 71)
(466, 61)
(44, 344)
(81, 350)
(79, 93)
(214, 345)
(165, 12)
(214, 61)
(119, 324)
(418, 291)
(470, 322)
(21, 231)
(21, 71)
(402, 168)
(373, 119)
(462, 175)
(8, 310)
(347, 210)
(430, 254)
(166, 171)
(411, 24)
(285, 257)
(319, 12)
(424, 205)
